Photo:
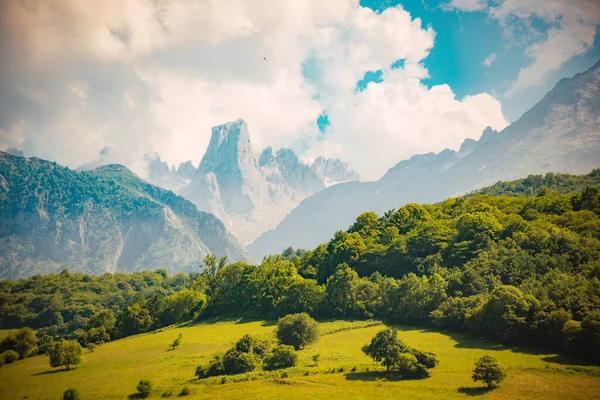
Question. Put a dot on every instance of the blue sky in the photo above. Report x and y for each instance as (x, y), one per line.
(464, 39)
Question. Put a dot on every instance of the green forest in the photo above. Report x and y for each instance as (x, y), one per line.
(516, 269)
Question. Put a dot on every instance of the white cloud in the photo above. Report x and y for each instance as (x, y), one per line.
(144, 75)
(13, 136)
(571, 32)
(467, 5)
(489, 60)
(573, 27)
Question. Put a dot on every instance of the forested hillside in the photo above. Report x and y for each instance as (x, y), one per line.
(107, 219)
(514, 269)
(534, 184)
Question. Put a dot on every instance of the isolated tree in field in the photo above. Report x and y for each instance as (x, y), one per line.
(71, 394)
(21, 341)
(315, 358)
(297, 330)
(488, 370)
(144, 388)
(385, 347)
(177, 342)
(65, 353)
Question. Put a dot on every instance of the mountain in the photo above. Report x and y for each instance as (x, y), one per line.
(252, 193)
(155, 170)
(561, 133)
(103, 220)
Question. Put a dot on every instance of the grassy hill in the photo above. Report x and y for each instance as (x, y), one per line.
(113, 370)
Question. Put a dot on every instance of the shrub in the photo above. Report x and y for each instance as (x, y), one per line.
(215, 367)
(71, 394)
(91, 347)
(144, 388)
(426, 358)
(297, 330)
(284, 375)
(9, 356)
(235, 362)
(167, 393)
(282, 356)
(488, 370)
(184, 392)
(315, 358)
(177, 342)
(252, 344)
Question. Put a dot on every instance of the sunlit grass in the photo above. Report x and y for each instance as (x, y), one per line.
(113, 370)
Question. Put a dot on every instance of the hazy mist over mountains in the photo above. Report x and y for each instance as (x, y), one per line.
(272, 200)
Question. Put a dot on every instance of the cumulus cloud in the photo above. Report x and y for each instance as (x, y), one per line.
(489, 60)
(146, 76)
(571, 26)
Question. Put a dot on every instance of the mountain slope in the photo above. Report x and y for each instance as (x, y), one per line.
(560, 134)
(252, 193)
(103, 220)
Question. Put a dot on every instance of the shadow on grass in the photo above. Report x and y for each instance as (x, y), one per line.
(377, 376)
(474, 391)
(52, 371)
(565, 360)
(136, 395)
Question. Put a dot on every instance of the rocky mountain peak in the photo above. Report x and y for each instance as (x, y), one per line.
(333, 170)
(266, 159)
(186, 170)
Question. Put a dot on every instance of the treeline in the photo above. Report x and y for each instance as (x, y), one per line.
(74, 305)
(515, 269)
(534, 185)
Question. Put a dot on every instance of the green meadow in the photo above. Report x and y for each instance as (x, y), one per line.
(112, 370)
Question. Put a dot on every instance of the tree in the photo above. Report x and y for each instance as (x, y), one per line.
(341, 290)
(282, 356)
(177, 342)
(65, 353)
(488, 370)
(297, 330)
(385, 347)
(315, 358)
(21, 341)
(144, 388)
(71, 394)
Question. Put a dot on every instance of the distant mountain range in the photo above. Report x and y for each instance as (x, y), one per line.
(249, 192)
(559, 134)
(99, 221)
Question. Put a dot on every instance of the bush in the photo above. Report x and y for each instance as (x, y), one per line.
(297, 330)
(282, 356)
(252, 344)
(426, 358)
(184, 392)
(9, 356)
(488, 370)
(71, 394)
(167, 393)
(235, 362)
(144, 388)
(177, 342)
(215, 367)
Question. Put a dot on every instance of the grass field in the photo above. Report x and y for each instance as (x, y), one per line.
(113, 370)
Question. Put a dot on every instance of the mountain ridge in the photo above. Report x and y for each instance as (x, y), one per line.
(559, 134)
(99, 221)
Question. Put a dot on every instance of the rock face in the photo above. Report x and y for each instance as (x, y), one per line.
(252, 193)
(104, 220)
(559, 134)
(159, 174)
(333, 171)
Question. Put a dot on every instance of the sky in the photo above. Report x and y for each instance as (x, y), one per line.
(371, 82)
